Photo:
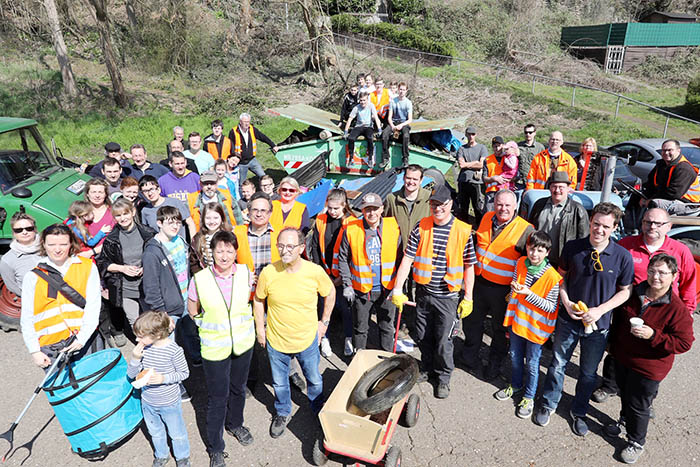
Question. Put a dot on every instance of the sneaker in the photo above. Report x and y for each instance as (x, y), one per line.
(184, 395)
(111, 343)
(120, 340)
(326, 347)
(616, 429)
(631, 452)
(242, 435)
(279, 423)
(184, 462)
(383, 164)
(542, 416)
(349, 349)
(579, 425)
(158, 462)
(524, 408)
(507, 393)
(442, 391)
(216, 459)
(298, 382)
(652, 414)
(601, 395)
(248, 393)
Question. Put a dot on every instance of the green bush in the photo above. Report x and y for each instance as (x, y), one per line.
(692, 98)
(334, 7)
(402, 10)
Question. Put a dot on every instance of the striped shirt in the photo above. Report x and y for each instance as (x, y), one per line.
(547, 304)
(168, 361)
(441, 233)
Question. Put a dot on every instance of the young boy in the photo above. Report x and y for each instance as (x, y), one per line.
(267, 185)
(349, 103)
(160, 398)
(531, 315)
(366, 114)
(247, 190)
(216, 144)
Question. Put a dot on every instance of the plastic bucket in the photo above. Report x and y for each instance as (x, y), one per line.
(95, 403)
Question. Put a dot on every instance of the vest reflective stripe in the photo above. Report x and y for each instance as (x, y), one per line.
(223, 330)
(456, 242)
(56, 318)
(238, 145)
(321, 221)
(195, 211)
(528, 321)
(693, 193)
(497, 258)
(540, 171)
(244, 255)
(493, 167)
(381, 103)
(293, 219)
(361, 266)
(213, 149)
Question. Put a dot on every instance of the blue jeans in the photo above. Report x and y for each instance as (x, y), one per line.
(566, 336)
(157, 420)
(521, 348)
(254, 166)
(309, 360)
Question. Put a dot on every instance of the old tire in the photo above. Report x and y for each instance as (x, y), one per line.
(318, 453)
(393, 457)
(411, 411)
(387, 397)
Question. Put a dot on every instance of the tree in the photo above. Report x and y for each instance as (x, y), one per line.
(102, 19)
(322, 57)
(61, 51)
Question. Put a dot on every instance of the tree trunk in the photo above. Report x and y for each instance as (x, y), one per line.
(108, 52)
(61, 50)
(130, 6)
(246, 22)
(322, 57)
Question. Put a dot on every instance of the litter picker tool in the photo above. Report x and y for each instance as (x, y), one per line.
(398, 321)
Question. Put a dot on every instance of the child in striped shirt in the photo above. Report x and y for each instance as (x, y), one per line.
(160, 397)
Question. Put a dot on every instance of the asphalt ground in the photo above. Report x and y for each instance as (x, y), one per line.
(468, 428)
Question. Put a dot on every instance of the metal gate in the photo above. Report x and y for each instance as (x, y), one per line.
(614, 58)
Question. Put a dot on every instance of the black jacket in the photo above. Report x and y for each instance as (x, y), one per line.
(349, 102)
(574, 223)
(667, 187)
(161, 289)
(246, 149)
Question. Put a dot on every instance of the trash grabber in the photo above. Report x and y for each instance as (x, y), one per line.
(398, 321)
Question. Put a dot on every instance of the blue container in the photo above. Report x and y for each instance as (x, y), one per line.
(95, 403)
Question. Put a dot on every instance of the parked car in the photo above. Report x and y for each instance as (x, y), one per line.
(622, 171)
(647, 151)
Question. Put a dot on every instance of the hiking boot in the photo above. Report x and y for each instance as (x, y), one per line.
(601, 395)
(120, 340)
(158, 462)
(542, 416)
(442, 391)
(507, 393)
(349, 349)
(242, 435)
(326, 347)
(631, 452)
(616, 429)
(279, 423)
(579, 425)
(216, 459)
(524, 408)
(184, 462)
(297, 381)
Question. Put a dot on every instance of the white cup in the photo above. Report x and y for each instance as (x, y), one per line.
(636, 322)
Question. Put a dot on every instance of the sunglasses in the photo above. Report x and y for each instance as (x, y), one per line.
(17, 230)
(288, 190)
(597, 264)
(529, 132)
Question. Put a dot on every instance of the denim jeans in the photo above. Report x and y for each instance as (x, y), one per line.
(254, 166)
(522, 349)
(309, 359)
(566, 336)
(157, 420)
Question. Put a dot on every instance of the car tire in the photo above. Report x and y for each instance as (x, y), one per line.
(318, 452)
(393, 457)
(411, 411)
(372, 403)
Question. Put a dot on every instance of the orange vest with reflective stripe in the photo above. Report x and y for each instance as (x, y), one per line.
(540, 171)
(693, 193)
(361, 266)
(528, 321)
(238, 146)
(493, 167)
(195, 212)
(212, 148)
(456, 242)
(381, 103)
(293, 218)
(56, 318)
(321, 221)
(496, 258)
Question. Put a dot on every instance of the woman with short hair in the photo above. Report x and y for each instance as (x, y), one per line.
(287, 211)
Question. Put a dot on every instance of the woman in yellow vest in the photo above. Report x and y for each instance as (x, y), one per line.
(287, 211)
(49, 318)
(218, 303)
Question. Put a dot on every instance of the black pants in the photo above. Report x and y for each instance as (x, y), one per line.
(405, 139)
(368, 133)
(609, 384)
(435, 321)
(489, 299)
(470, 193)
(636, 394)
(363, 307)
(226, 388)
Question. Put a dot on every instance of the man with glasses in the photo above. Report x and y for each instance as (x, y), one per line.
(440, 252)
(470, 158)
(267, 185)
(598, 272)
(290, 288)
(150, 189)
(529, 148)
(552, 159)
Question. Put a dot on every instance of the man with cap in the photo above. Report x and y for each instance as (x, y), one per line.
(440, 252)
(529, 148)
(500, 242)
(369, 252)
(560, 216)
(494, 165)
(210, 193)
(470, 157)
(114, 151)
(552, 159)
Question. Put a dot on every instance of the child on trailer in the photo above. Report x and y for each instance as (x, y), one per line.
(162, 362)
(80, 214)
(531, 316)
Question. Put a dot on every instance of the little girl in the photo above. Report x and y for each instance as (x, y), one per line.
(511, 152)
(79, 215)
(160, 397)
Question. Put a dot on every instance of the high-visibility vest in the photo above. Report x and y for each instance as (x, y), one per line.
(493, 167)
(693, 193)
(456, 242)
(381, 103)
(55, 319)
(243, 254)
(195, 210)
(212, 148)
(540, 171)
(293, 219)
(528, 321)
(496, 258)
(361, 266)
(238, 145)
(224, 329)
(321, 221)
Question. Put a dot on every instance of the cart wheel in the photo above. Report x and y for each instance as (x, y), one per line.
(318, 453)
(411, 411)
(393, 457)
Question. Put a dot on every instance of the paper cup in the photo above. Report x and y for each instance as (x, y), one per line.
(636, 322)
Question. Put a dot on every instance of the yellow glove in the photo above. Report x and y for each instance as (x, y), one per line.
(465, 308)
(399, 300)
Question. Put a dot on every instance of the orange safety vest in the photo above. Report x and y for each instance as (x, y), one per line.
(493, 167)
(540, 172)
(55, 319)
(456, 242)
(528, 321)
(496, 258)
(321, 221)
(238, 145)
(213, 149)
(293, 218)
(381, 103)
(195, 211)
(361, 266)
(243, 254)
(693, 193)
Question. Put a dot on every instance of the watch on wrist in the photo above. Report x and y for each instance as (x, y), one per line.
(326, 322)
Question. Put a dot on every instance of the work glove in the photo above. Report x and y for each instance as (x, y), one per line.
(349, 294)
(465, 308)
(399, 300)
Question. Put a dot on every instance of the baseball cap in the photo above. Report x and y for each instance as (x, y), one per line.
(208, 177)
(441, 194)
(371, 199)
(470, 130)
(113, 147)
(497, 140)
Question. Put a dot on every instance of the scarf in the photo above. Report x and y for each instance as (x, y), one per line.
(534, 270)
(25, 249)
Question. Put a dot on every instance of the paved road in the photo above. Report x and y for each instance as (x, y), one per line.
(469, 428)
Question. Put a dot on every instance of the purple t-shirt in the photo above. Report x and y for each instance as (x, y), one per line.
(97, 224)
(178, 188)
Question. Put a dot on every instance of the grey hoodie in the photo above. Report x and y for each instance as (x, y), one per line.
(17, 262)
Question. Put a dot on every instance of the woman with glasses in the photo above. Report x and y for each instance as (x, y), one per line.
(287, 211)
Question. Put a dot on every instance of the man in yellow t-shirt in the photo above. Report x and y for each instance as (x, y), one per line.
(291, 287)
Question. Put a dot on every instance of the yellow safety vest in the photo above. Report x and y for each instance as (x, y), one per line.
(238, 145)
